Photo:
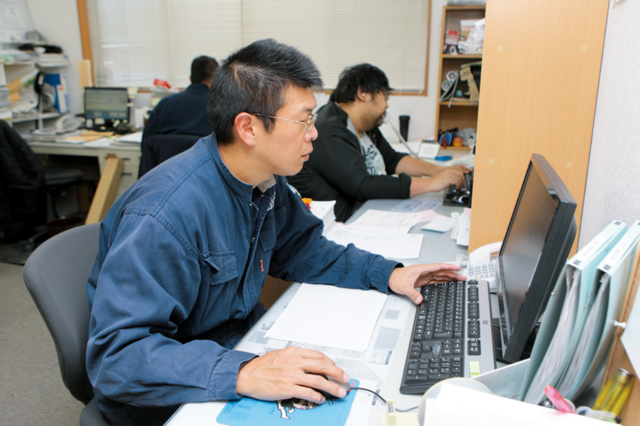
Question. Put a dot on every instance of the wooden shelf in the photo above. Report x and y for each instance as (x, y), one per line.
(460, 102)
(461, 56)
(466, 7)
(459, 113)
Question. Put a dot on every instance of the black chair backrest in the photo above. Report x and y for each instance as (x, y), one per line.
(56, 276)
(159, 148)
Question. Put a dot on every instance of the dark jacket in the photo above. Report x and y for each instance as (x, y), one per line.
(184, 113)
(183, 257)
(337, 170)
(22, 187)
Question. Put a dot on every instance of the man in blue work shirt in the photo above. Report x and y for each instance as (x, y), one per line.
(185, 113)
(185, 251)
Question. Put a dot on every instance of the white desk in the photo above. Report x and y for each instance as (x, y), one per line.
(130, 155)
(435, 247)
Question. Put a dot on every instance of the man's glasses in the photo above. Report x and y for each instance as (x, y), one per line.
(308, 122)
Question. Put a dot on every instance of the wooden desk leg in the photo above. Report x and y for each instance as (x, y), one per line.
(106, 192)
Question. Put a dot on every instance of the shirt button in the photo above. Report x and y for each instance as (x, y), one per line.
(253, 240)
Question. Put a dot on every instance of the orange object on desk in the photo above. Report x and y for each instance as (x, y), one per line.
(457, 141)
(307, 202)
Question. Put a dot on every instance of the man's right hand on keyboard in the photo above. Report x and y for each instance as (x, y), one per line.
(405, 280)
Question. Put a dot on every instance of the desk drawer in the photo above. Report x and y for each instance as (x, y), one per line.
(129, 177)
(130, 158)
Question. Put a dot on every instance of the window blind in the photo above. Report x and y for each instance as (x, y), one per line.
(136, 41)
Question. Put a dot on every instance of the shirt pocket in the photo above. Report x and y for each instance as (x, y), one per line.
(223, 266)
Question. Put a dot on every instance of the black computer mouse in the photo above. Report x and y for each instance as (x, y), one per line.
(461, 198)
(326, 395)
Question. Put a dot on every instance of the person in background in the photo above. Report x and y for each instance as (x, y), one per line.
(183, 255)
(185, 113)
(352, 162)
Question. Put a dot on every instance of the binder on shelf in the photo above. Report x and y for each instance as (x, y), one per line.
(594, 344)
(565, 315)
(55, 85)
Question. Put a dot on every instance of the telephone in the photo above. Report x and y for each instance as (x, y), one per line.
(69, 123)
(482, 265)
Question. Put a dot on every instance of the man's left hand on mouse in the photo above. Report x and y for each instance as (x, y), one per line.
(405, 280)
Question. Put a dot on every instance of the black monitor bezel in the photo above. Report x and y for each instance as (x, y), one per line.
(555, 252)
(90, 89)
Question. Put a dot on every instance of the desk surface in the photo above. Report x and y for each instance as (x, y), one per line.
(436, 247)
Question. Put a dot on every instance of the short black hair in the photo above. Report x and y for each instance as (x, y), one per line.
(203, 68)
(253, 80)
(366, 77)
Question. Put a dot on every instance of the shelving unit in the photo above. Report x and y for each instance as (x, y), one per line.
(460, 113)
(15, 69)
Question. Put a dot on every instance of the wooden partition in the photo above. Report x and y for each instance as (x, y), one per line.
(540, 73)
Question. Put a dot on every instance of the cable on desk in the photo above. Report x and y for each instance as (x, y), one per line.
(384, 400)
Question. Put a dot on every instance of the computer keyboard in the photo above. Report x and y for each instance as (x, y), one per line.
(451, 335)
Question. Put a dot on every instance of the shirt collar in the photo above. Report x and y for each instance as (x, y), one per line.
(243, 189)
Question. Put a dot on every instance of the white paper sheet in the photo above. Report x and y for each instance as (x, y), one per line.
(386, 222)
(487, 409)
(415, 205)
(428, 150)
(130, 138)
(98, 143)
(429, 215)
(440, 224)
(396, 246)
(326, 315)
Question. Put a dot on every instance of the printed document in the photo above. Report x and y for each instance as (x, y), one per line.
(386, 222)
(400, 246)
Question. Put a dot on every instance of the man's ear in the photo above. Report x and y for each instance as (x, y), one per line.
(245, 124)
(362, 96)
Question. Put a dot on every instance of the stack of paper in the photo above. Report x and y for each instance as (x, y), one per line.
(324, 211)
(50, 59)
(130, 138)
(382, 232)
(462, 228)
(4, 97)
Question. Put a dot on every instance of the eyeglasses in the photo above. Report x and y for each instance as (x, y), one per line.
(308, 122)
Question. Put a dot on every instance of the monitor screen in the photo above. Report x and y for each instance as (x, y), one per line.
(534, 250)
(108, 103)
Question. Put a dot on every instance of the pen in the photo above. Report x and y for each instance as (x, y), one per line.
(615, 393)
(558, 401)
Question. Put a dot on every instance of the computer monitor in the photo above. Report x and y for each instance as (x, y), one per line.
(107, 103)
(533, 253)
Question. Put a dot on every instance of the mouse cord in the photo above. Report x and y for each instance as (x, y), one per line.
(383, 400)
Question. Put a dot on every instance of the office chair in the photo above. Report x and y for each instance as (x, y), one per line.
(25, 187)
(159, 148)
(56, 276)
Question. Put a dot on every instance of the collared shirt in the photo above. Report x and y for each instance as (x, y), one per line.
(182, 260)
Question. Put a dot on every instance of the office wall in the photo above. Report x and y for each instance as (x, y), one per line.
(613, 177)
(58, 21)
